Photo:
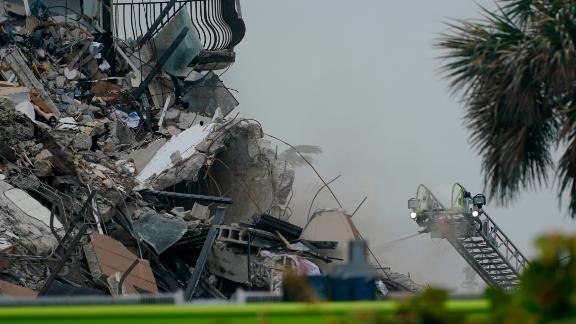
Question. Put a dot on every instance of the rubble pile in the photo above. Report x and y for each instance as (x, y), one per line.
(124, 171)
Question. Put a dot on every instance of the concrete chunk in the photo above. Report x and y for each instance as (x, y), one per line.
(30, 206)
(198, 212)
(27, 219)
(228, 263)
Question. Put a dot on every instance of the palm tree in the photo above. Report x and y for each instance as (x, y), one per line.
(516, 69)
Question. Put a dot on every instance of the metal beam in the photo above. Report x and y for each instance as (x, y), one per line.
(62, 261)
(193, 197)
(160, 63)
(156, 22)
(19, 65)
(206, 248)
(126, 274)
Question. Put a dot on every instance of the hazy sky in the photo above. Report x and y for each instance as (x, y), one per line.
(360, 79)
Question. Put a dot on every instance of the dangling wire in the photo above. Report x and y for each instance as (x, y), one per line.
(316, 195)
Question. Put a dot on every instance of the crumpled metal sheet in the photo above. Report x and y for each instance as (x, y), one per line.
(208, 94)
(159, 232)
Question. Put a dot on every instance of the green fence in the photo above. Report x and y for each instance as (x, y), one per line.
(290, 313)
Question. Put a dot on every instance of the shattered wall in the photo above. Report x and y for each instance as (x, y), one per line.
(233, 158)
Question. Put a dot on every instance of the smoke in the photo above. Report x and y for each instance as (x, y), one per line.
(394, 240)
(385, 122)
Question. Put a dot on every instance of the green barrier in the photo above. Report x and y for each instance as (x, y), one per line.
(290, 313)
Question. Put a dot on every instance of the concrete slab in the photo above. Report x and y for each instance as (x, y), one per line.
(31, 206)
(185, 143)
(143, 155)
(31, 232)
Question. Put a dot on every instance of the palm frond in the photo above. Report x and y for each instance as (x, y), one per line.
(493, 62)
(519, 10)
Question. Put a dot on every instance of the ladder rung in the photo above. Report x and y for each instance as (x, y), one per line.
(473, 239)
(487, 257)
(501, 271)
(488, 263)
(505, 279)
(474, 243)
(482, 250)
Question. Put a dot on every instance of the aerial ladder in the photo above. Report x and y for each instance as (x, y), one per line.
(474, 235)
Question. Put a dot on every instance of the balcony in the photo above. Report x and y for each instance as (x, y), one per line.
(218, 24)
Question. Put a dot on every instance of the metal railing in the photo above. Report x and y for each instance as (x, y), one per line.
(426, 201)
(217, 22)
(479, 240)
(499, 241)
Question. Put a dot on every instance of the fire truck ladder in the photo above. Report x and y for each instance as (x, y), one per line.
(473, 234)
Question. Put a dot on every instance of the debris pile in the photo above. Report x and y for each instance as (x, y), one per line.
(124, 171)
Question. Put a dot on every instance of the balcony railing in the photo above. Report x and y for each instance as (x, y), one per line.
(218, 22)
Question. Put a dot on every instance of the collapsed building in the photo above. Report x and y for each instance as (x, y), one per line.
(124, 168)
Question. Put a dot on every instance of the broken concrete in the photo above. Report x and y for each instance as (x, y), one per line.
(160, 172)
(28, 227)
(229, 263)
(143, 155)
(198, 212)
(87, 131)
(15, 127)
(30, 206)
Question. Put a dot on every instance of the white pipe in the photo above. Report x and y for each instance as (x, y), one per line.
(166, 104)
(26, 7)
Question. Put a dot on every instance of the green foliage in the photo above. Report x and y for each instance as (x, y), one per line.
(547, 291)
(548, 286)
(507, 309)
(516, 68)
(429, 308)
